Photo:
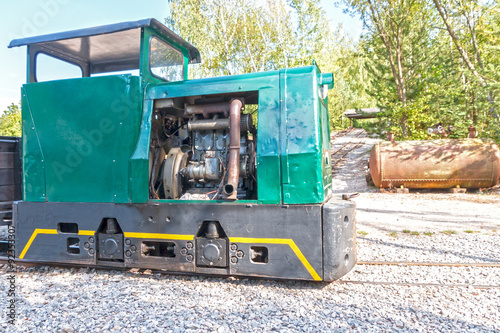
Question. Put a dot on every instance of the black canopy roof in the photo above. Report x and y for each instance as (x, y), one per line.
(105, 48)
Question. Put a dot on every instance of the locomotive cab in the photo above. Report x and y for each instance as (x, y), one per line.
(127, 163)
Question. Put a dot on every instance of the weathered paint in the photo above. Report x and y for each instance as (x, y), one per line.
(304, 138)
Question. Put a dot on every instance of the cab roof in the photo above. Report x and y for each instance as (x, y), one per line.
(112, 47)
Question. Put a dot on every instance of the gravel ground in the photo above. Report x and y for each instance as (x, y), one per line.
(458, 228)
(432, 228)
(81, 300)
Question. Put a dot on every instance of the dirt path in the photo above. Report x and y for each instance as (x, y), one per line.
(349, 173)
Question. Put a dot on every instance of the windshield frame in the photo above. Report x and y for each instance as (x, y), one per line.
(182, 58)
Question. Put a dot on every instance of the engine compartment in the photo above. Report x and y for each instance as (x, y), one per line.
(203, 148)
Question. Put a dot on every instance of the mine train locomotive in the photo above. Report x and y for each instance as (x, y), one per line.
(129, 164)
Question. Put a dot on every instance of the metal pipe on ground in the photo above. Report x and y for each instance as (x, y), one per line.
(444, 163)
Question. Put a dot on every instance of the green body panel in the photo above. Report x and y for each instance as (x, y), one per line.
(79, 136)
(139, 163)
(302, 137)
(326, 165)
(87, 140)
(33, 158)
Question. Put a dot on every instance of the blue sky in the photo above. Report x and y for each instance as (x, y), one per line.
(25, 18)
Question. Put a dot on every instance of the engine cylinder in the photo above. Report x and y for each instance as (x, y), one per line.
(469, 163)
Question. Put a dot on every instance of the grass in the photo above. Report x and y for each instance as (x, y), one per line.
(470, 231)
(362, 233)
(428, 233)
(393, 234)
(414, 233)
(449, 232)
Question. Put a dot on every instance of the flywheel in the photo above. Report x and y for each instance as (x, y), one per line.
(175, 161)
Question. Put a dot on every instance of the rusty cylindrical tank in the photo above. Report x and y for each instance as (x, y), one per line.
(446, 163)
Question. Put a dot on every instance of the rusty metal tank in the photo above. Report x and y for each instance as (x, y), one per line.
(446, 163)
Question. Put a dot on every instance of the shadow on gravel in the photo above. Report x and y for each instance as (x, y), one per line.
(416, 248)
(485, 222)
(419, 213)
(443, 322)
(248, 281)
(229, 280)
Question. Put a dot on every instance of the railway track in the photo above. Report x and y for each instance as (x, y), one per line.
(436, 264)
(416, 284)
(25, 263)
(341, 133)
(424, 284)
(354, 137)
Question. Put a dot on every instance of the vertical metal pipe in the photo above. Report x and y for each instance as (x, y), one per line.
(230, 189)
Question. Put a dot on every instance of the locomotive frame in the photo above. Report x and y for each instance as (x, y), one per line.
(93, 195)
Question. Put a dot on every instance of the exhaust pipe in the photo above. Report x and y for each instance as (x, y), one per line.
(207, 109)
(230, 189)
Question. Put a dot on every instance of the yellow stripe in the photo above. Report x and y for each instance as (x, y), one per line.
(49, 232)
(288, 242)
(92, 233)
(158, 236)
(33, 236)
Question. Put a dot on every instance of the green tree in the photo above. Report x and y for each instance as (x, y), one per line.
(10, 122)
(243, 36)
(347, 61)
(398, 49)
(433, 61)
(472, 27)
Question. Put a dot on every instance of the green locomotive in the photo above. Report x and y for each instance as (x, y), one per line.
(221, 176)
